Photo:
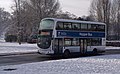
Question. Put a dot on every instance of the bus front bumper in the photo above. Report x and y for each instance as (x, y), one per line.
(46, 52)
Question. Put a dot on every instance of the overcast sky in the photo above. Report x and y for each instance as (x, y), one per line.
(77, 7)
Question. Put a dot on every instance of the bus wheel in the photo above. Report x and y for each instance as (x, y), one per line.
(95, 51)
(66, 54)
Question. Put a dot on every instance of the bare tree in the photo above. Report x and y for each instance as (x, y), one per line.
(18, 19)
(115, 16)
(65, 15)
(100, 10)
(36, 10)
(28, 13)
(4, 20)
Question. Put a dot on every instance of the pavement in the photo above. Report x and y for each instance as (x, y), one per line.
(17, 53)
(7, 48)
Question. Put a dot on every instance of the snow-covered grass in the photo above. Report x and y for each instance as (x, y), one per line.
(6, 47)
(2, 39)
(104, 64)
(111, 47)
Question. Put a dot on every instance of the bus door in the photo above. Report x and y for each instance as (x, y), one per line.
(83, 46)
(58, 46)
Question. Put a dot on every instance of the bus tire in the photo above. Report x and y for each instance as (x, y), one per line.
(66, 54)
(95, 51)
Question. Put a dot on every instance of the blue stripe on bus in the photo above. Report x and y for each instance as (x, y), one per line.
(79, 34)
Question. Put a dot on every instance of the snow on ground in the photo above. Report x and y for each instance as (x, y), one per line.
(2, 39)
(6, 47)
(111, 47)
(104, 64)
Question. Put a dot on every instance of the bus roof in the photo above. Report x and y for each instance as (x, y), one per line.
(76, 21)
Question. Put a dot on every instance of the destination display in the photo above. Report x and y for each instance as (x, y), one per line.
(45, 33)
(79, 34)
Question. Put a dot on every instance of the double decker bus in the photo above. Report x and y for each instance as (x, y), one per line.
(65, 37)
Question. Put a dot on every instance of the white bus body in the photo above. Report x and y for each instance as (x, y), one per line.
(67, 39)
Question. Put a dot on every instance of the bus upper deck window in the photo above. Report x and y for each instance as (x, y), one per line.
(83, 26)
(101, 28)
(75, 26)
(59, 26)
(67, 26)
(94, 27)
(89, 26)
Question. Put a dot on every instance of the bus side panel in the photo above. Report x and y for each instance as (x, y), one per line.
(72, 49)
(99, 48)
(103, 41)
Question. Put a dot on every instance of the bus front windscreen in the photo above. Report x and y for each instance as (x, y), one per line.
(46, 24)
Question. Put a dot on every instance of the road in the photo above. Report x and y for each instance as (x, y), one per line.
(22, 59)
(35, 57)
